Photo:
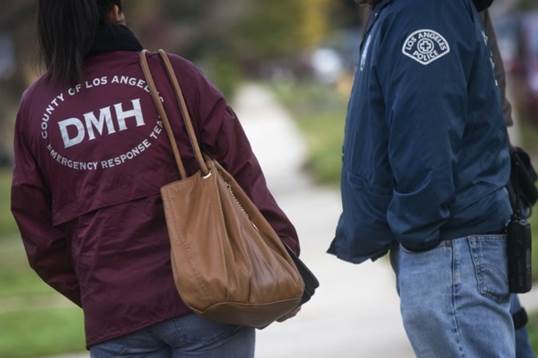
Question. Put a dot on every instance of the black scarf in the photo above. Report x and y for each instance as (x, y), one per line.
(482, 5)
(113, 37)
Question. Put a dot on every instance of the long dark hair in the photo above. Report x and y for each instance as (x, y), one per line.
(67, 30)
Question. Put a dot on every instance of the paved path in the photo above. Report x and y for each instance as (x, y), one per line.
(355, 312)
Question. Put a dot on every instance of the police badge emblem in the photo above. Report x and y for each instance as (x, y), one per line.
(425, 46)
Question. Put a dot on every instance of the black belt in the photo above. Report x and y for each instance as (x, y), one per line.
(497, 232)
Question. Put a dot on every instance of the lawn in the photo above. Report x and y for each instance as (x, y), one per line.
(40, 332)
(533, 331)
(35, 321)
(7, 225)
(16, 279)
(320, 112)
(530, 143)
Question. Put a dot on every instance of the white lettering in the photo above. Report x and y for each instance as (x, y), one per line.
(78, 138)
(105, 116)
(136, 113)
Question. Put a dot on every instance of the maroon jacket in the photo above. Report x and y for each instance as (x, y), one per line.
(89, 163)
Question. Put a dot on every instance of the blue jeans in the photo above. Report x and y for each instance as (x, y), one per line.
(455, 300)
(189, 336)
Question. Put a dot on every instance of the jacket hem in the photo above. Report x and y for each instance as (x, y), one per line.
(454, 234)
(357, 259)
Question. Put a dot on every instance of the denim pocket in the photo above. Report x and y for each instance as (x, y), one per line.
(113, 348)
(490, 262)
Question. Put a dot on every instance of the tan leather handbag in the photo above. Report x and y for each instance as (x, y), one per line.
(229, 264)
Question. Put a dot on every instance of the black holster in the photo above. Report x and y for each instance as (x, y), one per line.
(523, 195)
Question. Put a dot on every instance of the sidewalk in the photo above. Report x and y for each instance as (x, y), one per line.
(355, 312)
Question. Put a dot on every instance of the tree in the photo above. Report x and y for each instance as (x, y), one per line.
(528, 4)
(226, 37)
(280, 28)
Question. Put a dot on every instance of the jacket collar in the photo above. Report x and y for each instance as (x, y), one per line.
(112, 37)
(378, 2)
(381, 4)
(374, 12)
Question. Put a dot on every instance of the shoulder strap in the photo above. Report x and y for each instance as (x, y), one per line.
(162, 113)
(182, 106)
(184, 111)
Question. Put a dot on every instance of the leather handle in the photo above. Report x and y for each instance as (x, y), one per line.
(185, 112)
(162, 113)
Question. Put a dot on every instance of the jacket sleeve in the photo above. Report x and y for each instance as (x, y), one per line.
(224, 139)
(47, 247)
(425, 116)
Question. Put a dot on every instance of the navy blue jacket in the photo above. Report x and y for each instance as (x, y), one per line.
(426, 151)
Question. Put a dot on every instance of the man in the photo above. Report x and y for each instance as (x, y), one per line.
(425, 169)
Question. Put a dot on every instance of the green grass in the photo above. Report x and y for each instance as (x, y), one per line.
(7, 224)
(16, 277)
(320, 112)
(326, 149)
(35, 321)
(40, 332)
(533, 331)
(529, 138)
(534, 226)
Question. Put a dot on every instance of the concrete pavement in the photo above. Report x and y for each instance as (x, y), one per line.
(355, 312)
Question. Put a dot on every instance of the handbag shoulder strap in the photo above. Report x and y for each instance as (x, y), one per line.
(162, 112)
(184, 111)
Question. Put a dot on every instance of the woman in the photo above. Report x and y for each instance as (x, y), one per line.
(90, 158)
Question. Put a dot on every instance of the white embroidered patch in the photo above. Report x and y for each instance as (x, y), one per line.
(425, 46)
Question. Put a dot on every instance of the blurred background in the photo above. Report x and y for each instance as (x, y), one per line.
(287, 66)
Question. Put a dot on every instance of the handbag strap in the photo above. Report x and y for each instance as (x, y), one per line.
(162, 113)
(185, 112)
(166, 121)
